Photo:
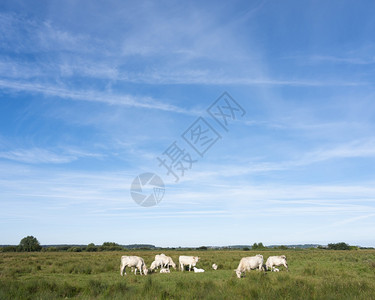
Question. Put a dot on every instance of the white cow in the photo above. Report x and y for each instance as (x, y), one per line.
(249, 263)
(133, 261)
(187, 260)
(198, 270)
(163, 270)
(214, 266)
(154, 265)
(161, 260)
(170, 262)
(276, 261)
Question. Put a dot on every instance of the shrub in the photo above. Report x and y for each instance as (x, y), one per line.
(9, 249)
(75, 249)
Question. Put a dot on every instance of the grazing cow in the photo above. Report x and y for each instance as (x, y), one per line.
(187, 260)
(249, 263)
(170, 262)
(161, 260)
(154, 265)
(276, 261)
(133, 261)
(214, 266)
(163, 270)
(275, 269)
(198, 270)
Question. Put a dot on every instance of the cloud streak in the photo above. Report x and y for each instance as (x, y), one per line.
(92, 96)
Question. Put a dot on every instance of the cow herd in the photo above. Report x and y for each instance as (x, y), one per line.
(164, 262)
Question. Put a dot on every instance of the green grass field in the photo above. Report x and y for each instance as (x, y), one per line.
(313, 274)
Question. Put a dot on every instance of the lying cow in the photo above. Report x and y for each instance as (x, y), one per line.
(163, 270)
(191, 261)
(275, 269)
(276, 261)
(198, 270)
(133, 262)
(249, 263)
(214, 266)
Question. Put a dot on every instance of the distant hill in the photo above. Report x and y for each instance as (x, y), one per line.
(138, 246)
(302, 246)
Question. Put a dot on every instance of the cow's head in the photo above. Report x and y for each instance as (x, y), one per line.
(145, 270)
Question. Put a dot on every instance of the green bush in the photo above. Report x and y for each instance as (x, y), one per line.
(75, 249)
(9, 249)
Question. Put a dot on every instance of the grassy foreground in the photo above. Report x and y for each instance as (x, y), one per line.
(314, 274)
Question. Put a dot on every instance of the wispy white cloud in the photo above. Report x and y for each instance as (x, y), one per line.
(354, 60)
(358, 148)
(36, 156)
(92, 96)
(45, 156)
(21, 34)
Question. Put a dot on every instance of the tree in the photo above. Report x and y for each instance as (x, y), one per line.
(202, 248)
(339, 246)
(282, 247)
(29, 244)
(91, 248)
(258, 246)
(110, 246)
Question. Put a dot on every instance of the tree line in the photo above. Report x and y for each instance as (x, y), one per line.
(31, 244)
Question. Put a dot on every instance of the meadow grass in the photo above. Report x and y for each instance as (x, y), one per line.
(313, 274)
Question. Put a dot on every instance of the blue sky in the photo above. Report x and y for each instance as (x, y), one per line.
(92, 93)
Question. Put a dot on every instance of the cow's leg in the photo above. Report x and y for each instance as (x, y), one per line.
(189, 267)
(140, 269)
(182, 267)
(286, 266)
(122, 270)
